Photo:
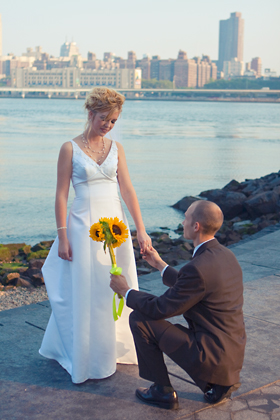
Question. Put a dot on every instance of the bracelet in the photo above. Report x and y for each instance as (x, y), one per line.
(63, 227)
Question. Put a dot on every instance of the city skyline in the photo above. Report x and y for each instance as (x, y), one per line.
(145, 28)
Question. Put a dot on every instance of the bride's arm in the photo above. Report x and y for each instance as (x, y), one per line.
(130, 198)
(64, 171)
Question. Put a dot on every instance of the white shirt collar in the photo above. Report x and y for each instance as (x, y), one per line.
(199, 245)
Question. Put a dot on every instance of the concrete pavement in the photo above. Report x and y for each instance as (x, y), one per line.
(32, 387)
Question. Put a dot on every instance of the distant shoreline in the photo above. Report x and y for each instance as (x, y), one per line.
(162, 98)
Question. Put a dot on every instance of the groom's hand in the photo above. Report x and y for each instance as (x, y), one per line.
(119, 284)
(152, 257)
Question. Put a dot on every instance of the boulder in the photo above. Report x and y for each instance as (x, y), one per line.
(263, 203)
(21, 282)
(38, 264)
(10, 279)
(37, 280)
(232, 186)
(185, 203)
(37, 247)
(240, 226)
(231, 202)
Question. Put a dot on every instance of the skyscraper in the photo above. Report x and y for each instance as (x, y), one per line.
(0, 36)
(231, 39)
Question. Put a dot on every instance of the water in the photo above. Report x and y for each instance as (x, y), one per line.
(173, 149)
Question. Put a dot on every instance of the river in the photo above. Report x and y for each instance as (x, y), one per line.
(173, 149)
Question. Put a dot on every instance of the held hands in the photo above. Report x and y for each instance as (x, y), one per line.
(119, 284)
(152, 257)
(64, 249)
(144, 241)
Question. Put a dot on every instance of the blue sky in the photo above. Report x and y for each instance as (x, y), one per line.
(149, 26)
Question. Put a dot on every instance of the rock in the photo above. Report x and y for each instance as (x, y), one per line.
(23, 283)
(37, 280)
(263, 203)
(164, 238)
(46, 244)
(10, 287)
(37, 247)
(22, 270)
(232, 186)
(266, 223)
(30, 272)
(188, 246)
(231, 203)
(10, 278)
(185, 203)
(233, 237)
(38, 264)
(239, 226)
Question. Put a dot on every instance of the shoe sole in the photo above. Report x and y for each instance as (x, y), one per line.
(227, 395)
(167, 406)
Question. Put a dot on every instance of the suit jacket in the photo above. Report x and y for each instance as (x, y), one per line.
(208, 292)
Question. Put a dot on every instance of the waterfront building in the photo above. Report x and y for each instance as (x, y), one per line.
(155, 67)
(68, 49)
(231, 39)
(145, 65)
(131, 60)
(269, 73)
(256, 64)
(233, 68)
(91, 56)
(10, 62)
(166, 69)
(185, 71)
(74, 77)
(206, 70)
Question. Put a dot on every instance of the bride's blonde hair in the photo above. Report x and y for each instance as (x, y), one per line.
(103, 99)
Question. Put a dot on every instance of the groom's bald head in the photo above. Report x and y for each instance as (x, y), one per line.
(209, 216)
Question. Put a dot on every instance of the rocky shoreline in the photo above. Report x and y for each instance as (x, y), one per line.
(248, 207)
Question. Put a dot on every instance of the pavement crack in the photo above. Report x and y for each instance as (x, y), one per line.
(33, 325)
(259, 319)
(41, 304)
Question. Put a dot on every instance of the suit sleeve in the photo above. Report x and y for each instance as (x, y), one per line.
(170, 276)
(188, 290)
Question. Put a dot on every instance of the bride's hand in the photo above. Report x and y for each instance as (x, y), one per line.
(144, 241)
(64, 249)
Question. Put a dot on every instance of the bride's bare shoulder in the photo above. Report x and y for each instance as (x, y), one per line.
(66, 148)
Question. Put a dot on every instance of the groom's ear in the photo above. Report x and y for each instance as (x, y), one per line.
(196, 227)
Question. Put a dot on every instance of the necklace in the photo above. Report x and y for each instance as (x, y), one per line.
(89, 149)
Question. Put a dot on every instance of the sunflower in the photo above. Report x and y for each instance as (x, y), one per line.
(119, 231)
(104, 220)
(96, 232)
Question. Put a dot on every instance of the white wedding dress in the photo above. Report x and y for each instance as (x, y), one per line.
(82, 334)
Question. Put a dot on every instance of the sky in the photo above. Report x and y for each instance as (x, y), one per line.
(154, 27)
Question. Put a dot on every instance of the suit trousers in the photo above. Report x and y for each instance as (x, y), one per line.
(153, 338)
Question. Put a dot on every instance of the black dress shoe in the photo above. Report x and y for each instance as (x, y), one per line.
(155, 396)
(218, 393)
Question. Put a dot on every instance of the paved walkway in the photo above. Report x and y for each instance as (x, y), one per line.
(32, 387)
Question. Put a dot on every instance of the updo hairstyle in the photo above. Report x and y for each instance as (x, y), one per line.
(103, 99)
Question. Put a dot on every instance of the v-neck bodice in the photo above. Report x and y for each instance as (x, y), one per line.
(85, 169)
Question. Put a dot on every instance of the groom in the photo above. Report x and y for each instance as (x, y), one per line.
(208, 292)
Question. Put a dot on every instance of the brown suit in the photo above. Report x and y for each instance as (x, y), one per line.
(208, 292)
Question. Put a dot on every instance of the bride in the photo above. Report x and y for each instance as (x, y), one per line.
(81, 334)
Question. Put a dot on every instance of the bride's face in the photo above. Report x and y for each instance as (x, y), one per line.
(100, 124)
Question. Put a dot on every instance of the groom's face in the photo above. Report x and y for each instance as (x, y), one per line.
(188, 224)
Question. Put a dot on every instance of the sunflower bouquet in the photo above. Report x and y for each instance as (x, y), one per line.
(113, 232)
